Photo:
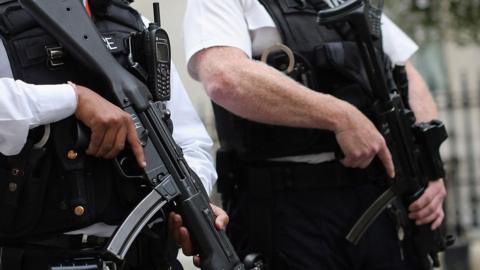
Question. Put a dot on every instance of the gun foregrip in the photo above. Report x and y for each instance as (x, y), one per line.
(430, 137)
(215, 249)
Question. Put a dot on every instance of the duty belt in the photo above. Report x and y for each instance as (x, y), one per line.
(300, 176)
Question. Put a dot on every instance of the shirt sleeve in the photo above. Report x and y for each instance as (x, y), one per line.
(396, 43)
(24, 106)
(210, 23)
(190, 134)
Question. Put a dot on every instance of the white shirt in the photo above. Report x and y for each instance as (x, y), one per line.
(246, 25)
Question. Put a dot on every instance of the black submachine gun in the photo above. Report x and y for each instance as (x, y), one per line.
(167, 172)
(414, 146)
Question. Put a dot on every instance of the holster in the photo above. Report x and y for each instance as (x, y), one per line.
(70, 145)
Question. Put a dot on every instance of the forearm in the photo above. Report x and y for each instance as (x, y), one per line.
(260, 93)
(420, 99)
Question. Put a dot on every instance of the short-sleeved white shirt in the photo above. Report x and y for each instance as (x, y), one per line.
(246, 24)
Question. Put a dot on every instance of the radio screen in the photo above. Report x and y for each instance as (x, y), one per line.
(162, 52)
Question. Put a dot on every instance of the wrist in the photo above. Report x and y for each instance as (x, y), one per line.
(341, 114)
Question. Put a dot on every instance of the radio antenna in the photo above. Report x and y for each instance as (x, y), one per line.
(156, 14)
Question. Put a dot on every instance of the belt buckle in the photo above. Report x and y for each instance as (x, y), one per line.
(55, 56)
(92, 240)
(109, 265)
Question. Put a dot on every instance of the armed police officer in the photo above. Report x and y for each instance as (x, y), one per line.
(60, 195)
(279, 124)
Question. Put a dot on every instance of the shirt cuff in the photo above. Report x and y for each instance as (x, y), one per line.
(56, 102)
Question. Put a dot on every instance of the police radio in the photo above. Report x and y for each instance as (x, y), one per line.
(150, 57)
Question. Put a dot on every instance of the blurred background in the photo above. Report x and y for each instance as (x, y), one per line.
(449, 59)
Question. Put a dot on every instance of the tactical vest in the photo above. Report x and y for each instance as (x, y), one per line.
(326, 60)
(36, 187)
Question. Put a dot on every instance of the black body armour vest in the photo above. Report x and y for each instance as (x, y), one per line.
(326, 60)
(36, 190)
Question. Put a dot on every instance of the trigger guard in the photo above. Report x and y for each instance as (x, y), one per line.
(120, 163)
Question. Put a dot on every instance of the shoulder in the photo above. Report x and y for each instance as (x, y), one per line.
(398, 45)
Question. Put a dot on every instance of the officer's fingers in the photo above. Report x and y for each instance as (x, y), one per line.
(171, 221)
(354, 161)
(174, 224)
(438, 222)
(346, 162)
(366, 162)
(196, 261)
(435, 188)
(185, 242)
(119, 143)
(95, 140)
(428, 209)
(350, 161)
(108, 142)
(430, 218)
(137, 148)
(221, 217)
(422, 202)
(386, 158)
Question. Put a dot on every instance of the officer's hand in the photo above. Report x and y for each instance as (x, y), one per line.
(111, 127)
(429, 207)
(360, 141)
(182, 237)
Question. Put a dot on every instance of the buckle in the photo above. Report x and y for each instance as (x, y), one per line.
(109, 265)
(55, 56)
(92, 240)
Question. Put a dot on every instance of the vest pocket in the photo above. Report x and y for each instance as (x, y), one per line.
(21, 199)
(344, 58)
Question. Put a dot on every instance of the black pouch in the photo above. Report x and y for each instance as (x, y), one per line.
(23, 187)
